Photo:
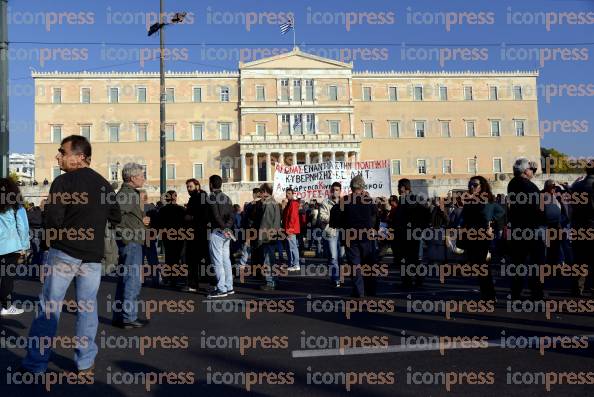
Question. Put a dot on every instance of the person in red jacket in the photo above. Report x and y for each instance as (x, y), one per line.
(292, 226)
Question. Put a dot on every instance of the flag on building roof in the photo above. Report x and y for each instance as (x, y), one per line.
(285, 27)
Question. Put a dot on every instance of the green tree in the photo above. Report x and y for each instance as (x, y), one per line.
(555, 161)
(14, 176)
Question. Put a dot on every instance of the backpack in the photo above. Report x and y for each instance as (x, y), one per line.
(111, 252)
(335, 217)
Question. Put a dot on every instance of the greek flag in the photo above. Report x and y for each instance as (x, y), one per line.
(285, 27)
(297, 123)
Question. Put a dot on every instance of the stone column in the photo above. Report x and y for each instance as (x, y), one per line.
(281, 158)
(333, 156)
(351, 124)
(255, 166)
(307, 159)
(294, 158)
(268, 173)
(243, 167)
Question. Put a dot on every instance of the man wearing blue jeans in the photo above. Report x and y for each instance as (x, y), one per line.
(63, 268)
(73, 258)
(292, 229)
(333, 248)
(221, 216)
(131, 236)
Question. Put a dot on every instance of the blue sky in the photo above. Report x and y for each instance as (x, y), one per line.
(220, 33)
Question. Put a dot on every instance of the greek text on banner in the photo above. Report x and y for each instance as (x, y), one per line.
(314, 180)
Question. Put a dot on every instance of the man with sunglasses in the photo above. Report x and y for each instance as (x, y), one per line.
(527, 245)
(73, 255)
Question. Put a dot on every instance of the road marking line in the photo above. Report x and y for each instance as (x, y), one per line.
(378, 350)
(392, 349)
(300, 297)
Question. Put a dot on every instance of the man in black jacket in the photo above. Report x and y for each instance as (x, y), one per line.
(171, 220)
(357, 215)
(221, 223)
(78, 207)
(197, 257)
(410, 216)
(247, 224)
(527, 221)
(582, 220)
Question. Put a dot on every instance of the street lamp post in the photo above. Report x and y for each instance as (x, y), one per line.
(475, 165)
(162, 142)
(4, 88)
(158, 27)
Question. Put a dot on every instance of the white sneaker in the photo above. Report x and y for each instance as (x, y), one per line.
(294, 268)
(11, 311)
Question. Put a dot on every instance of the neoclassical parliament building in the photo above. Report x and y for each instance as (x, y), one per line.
(291, 108)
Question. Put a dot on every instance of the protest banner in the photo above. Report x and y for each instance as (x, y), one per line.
(314, 180)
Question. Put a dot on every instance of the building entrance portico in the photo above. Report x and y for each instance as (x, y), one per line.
(258, 158)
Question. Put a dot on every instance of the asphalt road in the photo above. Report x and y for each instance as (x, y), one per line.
(312, 339)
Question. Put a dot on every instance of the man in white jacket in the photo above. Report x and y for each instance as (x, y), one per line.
(334, 251)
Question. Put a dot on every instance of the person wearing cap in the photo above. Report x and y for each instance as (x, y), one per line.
(357, 214)
(527, 226)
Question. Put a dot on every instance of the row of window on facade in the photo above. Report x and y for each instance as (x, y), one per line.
(297, 127)
(368, 95)
(467, 91)
(113, 95)
(142, 132)
(447, 166)
(445, 128)
(115, 171)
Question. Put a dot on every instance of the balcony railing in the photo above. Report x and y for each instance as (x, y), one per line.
(300, 138)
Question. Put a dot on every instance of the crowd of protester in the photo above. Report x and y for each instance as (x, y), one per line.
(216, 239)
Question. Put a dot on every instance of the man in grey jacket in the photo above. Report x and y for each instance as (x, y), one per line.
(334, 251)
(131, 236)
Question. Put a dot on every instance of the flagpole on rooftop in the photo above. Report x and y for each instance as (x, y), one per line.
(294, 46)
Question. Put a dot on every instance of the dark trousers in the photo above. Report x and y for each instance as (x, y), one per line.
(257, 256)
(6, 280)
(152, 259)
(361, 253)
(173, 255)
(476, 254)
(197, 258)
(528, 253)
(150, 253)
(406, 252)
(583, 254)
